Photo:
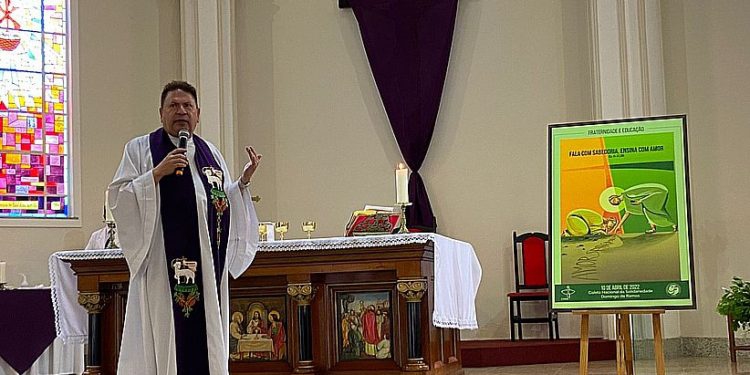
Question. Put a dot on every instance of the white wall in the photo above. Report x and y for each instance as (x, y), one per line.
(307, 100)
(707, 61)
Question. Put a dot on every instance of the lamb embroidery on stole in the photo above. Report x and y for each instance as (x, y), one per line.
(186, 294)
(218, 197)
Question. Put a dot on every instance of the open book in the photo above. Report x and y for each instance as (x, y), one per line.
(373, 220)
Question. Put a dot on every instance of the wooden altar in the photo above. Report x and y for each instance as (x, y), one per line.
(332, 305)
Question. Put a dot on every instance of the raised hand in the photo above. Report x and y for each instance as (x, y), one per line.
(251, 166)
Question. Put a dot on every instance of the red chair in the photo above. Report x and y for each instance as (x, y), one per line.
(530, 263)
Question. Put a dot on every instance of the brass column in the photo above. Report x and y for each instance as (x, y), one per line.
(413, 290)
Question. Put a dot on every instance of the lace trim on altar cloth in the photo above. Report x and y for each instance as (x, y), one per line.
(53, 292)
(454, 323)
(89, 254)
(55, 275)
(329, 243)
(341, 243)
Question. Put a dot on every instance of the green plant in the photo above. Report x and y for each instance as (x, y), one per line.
(736, 303)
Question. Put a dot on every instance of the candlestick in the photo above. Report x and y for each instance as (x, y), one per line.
(402, 227)
(402, 184)
(112, 241)
(2, 272)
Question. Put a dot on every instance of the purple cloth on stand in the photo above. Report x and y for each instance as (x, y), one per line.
(27, 326)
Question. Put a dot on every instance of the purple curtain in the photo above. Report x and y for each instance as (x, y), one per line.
(408, 44)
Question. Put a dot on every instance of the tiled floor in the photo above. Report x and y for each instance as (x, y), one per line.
(675, 366)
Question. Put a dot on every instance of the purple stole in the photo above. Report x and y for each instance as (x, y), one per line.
(179, 217)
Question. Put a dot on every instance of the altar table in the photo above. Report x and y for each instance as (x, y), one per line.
(423, 287)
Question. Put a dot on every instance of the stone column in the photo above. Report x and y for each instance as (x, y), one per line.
(628, 81)
(207, 62)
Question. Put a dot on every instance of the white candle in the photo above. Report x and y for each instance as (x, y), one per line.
(2, 272)
(107, 212)
(402, 184)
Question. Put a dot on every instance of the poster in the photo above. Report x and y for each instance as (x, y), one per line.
(620, 215)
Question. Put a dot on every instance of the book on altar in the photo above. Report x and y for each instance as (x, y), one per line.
(373, 220)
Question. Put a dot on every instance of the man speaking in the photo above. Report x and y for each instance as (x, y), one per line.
(181, 233)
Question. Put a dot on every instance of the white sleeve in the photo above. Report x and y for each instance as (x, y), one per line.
(133, 198)
(243, 224)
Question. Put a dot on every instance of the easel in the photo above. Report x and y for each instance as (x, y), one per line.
(624, 341)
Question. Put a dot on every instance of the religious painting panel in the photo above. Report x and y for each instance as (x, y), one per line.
(364, 324)
(258, 328)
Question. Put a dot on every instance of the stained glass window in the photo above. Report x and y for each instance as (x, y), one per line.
(35, 135)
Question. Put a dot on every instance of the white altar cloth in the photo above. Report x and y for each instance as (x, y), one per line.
(71, 322)
(456, 268)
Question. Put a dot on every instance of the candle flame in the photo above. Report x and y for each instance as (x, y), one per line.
(401, 166)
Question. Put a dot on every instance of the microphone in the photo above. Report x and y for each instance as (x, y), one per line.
(184, 135)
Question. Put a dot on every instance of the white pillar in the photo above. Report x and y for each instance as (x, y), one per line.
(628, 81)
(207, 62)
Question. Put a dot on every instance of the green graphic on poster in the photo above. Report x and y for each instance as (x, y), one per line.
(619, 214)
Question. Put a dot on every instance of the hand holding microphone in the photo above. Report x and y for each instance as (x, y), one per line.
(184, 135)
(175, 161)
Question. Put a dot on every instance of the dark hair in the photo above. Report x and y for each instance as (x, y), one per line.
(178, 85)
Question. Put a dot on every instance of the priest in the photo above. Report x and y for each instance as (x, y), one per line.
(184, 225)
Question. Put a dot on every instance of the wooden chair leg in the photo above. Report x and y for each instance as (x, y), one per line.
(512, 321)
(520, 320)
